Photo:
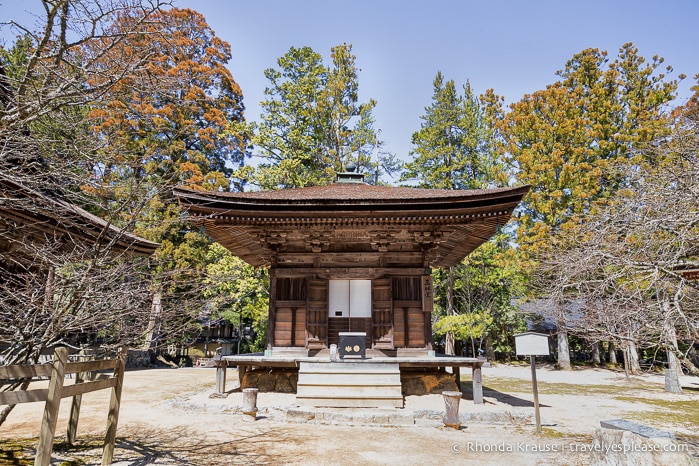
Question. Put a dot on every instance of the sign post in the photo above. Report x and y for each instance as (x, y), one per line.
(533, 344)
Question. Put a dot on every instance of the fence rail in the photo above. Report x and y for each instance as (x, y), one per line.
(85, 382)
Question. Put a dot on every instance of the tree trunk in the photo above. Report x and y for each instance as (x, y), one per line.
(449, 339)
(595, 353)
(153, 331)
(673, 371)
(612, 353)
(634, 365)
(691, 362)
(563, 349)
(489, 350)
(693, 356)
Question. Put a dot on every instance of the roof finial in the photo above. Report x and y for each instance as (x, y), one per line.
(350, 176)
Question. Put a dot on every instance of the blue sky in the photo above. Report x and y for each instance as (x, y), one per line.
(514, 47)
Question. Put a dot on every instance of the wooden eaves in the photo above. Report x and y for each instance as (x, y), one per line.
(384, 226)
(31, 214)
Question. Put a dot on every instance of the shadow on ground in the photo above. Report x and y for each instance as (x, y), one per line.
(500, 397)
(148, 447)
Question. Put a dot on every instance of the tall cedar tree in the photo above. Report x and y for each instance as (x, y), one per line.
(313, 125)
(167, 120)
(165, 125)
(566, 141)
(454, 149)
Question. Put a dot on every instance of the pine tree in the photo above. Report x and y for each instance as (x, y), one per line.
(568, 140)
(455, 149)
(313, 124)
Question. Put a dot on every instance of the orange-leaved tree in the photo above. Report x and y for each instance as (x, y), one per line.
(167, 124)
(566, 141)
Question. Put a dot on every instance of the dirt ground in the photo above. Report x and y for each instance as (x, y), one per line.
(168, 418)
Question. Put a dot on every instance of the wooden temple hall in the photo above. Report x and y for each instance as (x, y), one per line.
(350, 260)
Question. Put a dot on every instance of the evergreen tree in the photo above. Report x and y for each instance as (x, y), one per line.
(568, 140)
(313, 124)
(455, 149)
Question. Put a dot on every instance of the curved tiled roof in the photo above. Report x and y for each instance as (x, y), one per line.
(348, 221)
(39, 214)
(346, 193)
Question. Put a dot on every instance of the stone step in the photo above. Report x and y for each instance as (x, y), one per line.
(307, 395)
(343, 379)
(348, 368)
(289, 351)
(351, 402)
(349, 384)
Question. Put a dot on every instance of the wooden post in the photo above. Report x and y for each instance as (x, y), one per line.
(53, 402)
(113, 415)
(477, 384)
(220, 372)
(77, 400)
(272, 311)
(451, 401)
(532, 344)
(74, 414)
(241, 375)
(532, 360)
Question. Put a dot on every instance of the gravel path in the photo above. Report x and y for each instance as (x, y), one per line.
(167, 417)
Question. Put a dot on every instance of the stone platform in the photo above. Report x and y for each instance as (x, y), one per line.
(420, 374)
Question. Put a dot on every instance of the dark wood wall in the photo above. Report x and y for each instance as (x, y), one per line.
(400, 316)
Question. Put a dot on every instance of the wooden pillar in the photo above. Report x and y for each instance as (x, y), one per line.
(53, 403)
(80, 377)
(272, 315)
(406, 327)
(241, 375)
(477, 385)
(221, 365)
(114, 404)
(456, 370)
(428, 308)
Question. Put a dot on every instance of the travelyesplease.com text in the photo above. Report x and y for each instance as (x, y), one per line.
(533, 447)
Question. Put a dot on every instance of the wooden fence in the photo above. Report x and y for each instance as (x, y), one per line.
(84, 383)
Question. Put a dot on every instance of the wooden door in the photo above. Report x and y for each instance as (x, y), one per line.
(317, 314)
(290, 298)
(408, 315)
(382, 313)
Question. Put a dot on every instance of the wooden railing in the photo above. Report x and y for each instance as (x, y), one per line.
(84, 383)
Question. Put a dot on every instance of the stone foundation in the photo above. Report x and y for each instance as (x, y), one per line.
(275, 380)
(425, 382)
(418, 382)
